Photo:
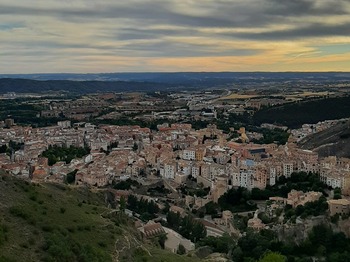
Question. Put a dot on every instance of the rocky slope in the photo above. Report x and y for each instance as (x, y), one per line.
(332, 141)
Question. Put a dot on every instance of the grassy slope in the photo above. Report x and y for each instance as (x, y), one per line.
(54, 222)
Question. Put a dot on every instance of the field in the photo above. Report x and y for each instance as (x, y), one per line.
(238, 96)
(306, 94)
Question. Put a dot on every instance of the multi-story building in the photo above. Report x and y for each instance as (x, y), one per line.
(339, 206)
(189, 154)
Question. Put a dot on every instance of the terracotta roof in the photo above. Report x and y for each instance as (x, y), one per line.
(153, 229)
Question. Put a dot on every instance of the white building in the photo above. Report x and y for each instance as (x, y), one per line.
(287, 169)
(189, 154)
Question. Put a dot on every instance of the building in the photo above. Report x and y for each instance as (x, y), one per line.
(174, 240)
(297, 198)
(339, 206)
(189, 154)
(287, 169)
(151, 229)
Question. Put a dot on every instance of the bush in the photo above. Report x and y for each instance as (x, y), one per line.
(47, 228)
(3, 234)
(181, 250)
(19, 212)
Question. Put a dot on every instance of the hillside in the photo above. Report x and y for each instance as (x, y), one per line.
(51, 222)
(332, 141)
(80, 87)
(295, 115)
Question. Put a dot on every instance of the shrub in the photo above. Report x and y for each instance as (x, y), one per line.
(19, 212)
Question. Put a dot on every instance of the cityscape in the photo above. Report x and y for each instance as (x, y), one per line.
(186, 155)
(174, 131)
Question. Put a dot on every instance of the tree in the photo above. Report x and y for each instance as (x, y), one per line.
(181, 250)
(237, 254)
(173, 220)
(273, 257)
(161, 240)
(122, 203)
(199, 231)
(132, 202)
(337, 193)
(70, 178)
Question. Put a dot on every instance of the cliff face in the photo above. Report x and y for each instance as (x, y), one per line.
(333, 141)
(344, 226)
(298, 232)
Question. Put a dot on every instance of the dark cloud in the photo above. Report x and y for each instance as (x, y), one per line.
(169, 48)
(155, 13)
(305, 7)
(308, 31)
(162, 28)
(125, 34)
(219, 14)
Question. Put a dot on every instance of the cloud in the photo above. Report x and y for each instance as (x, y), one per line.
(308, 31)
(306, 7)
(150, 35)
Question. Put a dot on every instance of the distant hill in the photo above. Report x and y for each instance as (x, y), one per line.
(191, 77)
(332, 141)
(117, 82)
(80, 87)
(294, 115)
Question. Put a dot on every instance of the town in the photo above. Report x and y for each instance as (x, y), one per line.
(180, 170)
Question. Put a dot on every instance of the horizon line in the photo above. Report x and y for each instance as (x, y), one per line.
(170, 72)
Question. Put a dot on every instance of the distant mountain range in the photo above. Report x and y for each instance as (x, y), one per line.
(184, 77)
(118, 82)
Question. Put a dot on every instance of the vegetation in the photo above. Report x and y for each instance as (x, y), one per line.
(337, 193)
(61, 247)
(158, 191)
(300, 181)
(187, 226)
(126, 185)
(199, 191)
(56, 153)
(61, 223)
(70, 178)
(265, 246)
(49, 221)
(219, 244)
(78, 87)
(314, 208)
(146, 209)
(273, 257)
(12, 146)
(295, 114)
(237, 200)
(24, 113)
(272, 135)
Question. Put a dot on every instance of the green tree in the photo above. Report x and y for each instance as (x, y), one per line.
(273, 257)
(237, 254)
(70, 178)
(161, 240)
(122, 203)
(181, 250)
(173, 220)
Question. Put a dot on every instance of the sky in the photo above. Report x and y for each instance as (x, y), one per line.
(96, 36)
